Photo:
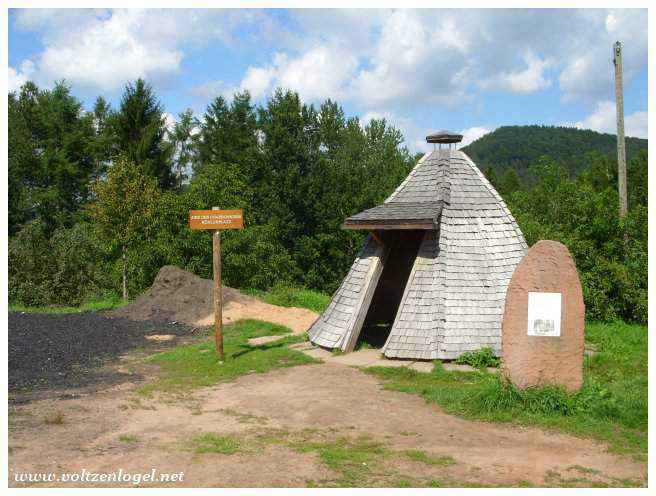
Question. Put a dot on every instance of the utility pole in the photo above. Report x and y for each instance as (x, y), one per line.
(621, 149)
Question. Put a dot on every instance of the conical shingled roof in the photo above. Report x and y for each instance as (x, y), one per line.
(454, 296)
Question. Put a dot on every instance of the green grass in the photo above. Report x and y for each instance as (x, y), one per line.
(353, 459)
(423, 457)
(54, 418)
(213, 443)
(94, 305)
(287, 296)
(128, 438)
(196, 365)
(610, 407)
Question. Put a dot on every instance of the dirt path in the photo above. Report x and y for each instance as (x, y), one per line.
(298, 320)
(286, 423)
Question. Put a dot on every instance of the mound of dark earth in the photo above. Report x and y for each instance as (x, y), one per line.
(178, 296)
(68, 350)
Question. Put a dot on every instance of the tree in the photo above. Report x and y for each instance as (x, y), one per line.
(182, 141)
(510, 182)
(280, 197)
(65, 269)
(582, 214)
(520, 147)
(102, 115)
(228, 135)
(491, 176)
(140, 130)
(124, 210)
(51, 156)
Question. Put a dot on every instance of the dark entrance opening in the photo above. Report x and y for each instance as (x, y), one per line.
(403, 246)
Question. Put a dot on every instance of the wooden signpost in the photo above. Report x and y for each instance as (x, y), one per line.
(217, 220)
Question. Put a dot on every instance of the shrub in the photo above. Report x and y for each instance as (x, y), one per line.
(288, 296)
(479, 358)
(66, 269)
(29, 265)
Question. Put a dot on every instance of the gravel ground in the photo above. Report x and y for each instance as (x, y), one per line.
(68, 350)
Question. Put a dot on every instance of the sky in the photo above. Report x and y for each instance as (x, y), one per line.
(467, 70)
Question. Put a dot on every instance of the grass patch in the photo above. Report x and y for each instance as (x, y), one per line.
(353, 459)
(584, 470)
(423, 457)
(128, 438)
(289, 296)
(610, 407)
(363, 345)
(212, 443)
(54, 418)
(93, 305)
(244, 418)
(479, 359)
(196, 365)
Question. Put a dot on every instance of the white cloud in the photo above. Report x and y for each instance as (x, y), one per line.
(212, 89)
(526, 80)
(103, 49)
(415, 136)
(257, 81)
(37, 19)
(370, 57)
(417, 59)
(588, 70)
(637, 124)
(16, 79)
(395, 61)
(603, 120)
(169, 121)
(318, 74)
(471, 134)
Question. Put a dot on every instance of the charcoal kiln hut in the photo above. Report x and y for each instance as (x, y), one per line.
(430, 281)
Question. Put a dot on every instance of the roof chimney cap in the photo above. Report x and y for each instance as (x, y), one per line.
(444, 137)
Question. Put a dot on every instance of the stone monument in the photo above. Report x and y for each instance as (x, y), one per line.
(544, 318)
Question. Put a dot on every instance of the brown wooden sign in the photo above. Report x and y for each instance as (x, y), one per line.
(216, 219)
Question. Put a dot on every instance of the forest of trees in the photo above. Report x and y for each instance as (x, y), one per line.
(99, 200)
(518, 147)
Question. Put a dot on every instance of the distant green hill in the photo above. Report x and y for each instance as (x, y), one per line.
(521, 146)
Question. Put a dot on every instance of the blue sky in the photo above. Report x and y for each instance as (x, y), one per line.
(468, 70)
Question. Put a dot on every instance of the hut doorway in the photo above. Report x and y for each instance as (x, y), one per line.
(403, 247)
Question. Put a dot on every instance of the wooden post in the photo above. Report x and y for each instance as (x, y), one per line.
(621, 150)
(125, 275)
(217, 220)
(218, 310)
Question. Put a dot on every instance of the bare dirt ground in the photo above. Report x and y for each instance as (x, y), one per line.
(297, 319)
(287, 424)
(326, 424)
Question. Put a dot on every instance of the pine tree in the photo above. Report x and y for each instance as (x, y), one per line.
(228, 135)
(510, 182)
(182, 141)
(102, 114)
(491, 176)
(51, 156)
(140, 132)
